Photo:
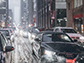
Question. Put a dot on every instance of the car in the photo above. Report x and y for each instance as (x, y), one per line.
(33, 31)
(55, 47)
(7, 33)
(71, 32)
(25, 33)
(5, 49)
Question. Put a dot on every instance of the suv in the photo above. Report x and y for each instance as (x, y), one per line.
(71, 32)
(5, 48)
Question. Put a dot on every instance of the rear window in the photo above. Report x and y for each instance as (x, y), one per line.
(68, 30)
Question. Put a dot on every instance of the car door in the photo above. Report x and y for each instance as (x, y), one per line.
(4, 44)
(36, 45)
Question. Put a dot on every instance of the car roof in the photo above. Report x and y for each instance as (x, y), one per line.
(4, 29)
(44, 32)
(64, 27)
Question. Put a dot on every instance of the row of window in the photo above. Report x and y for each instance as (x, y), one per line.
(78, 3)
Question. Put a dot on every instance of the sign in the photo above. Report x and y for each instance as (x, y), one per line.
(78, 16)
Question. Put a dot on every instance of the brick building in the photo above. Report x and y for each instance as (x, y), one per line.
(75, 14)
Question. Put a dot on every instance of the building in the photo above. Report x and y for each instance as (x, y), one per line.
(30, 11)
(60, 12)
(51, 13)
(75, 14)
(44, 13)
(4, 11)
(24, 13)
(10, 17)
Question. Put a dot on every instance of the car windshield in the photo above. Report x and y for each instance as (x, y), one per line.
(35, 30)
(5, 32)
(68, 30)
(56, 37)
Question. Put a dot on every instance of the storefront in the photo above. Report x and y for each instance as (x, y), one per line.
(78, 22)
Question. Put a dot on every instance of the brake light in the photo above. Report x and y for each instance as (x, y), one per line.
(70, 60)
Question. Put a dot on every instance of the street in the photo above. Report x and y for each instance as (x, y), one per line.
(23, 51)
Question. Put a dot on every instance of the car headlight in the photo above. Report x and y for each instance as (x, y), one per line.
(33, 36)
(49, 53)
(25, 33)
(82, 37)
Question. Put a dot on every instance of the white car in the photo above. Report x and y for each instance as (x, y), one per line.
(70, 32)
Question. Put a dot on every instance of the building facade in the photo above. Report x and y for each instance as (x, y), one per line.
(24, 13)
(60, 12)
(75, 14)
(44, 10)
(51, 13)
(4, 11)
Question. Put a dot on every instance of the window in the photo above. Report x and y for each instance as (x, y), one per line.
(3, 41)
(68, 6)
(78, 3)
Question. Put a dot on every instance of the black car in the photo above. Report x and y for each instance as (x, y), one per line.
(5, 48)
(55, 47)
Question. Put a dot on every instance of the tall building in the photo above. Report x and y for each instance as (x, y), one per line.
(24, 12)
(44, 13)
(4, 10)
(51, 13)
(10, 17)
(75, 14)
(60, 12)
(30, 11)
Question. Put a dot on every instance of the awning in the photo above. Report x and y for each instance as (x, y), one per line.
(78, 16)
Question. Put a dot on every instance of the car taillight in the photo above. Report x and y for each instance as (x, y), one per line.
(70, 60)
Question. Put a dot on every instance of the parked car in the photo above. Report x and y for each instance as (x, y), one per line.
(5, 48)
(71, 32)
(55, 47)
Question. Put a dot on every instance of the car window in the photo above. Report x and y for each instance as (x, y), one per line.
(56, 37)
(56, 29)
(5, 32)
(68, 30)
(1, 47)
(3, 41)
(4, 37)
(39, 36)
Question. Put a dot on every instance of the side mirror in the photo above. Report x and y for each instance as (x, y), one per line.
(36, 39)
(9, 48)
(7, 34)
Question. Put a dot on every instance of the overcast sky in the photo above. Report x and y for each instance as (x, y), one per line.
(15, 6)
